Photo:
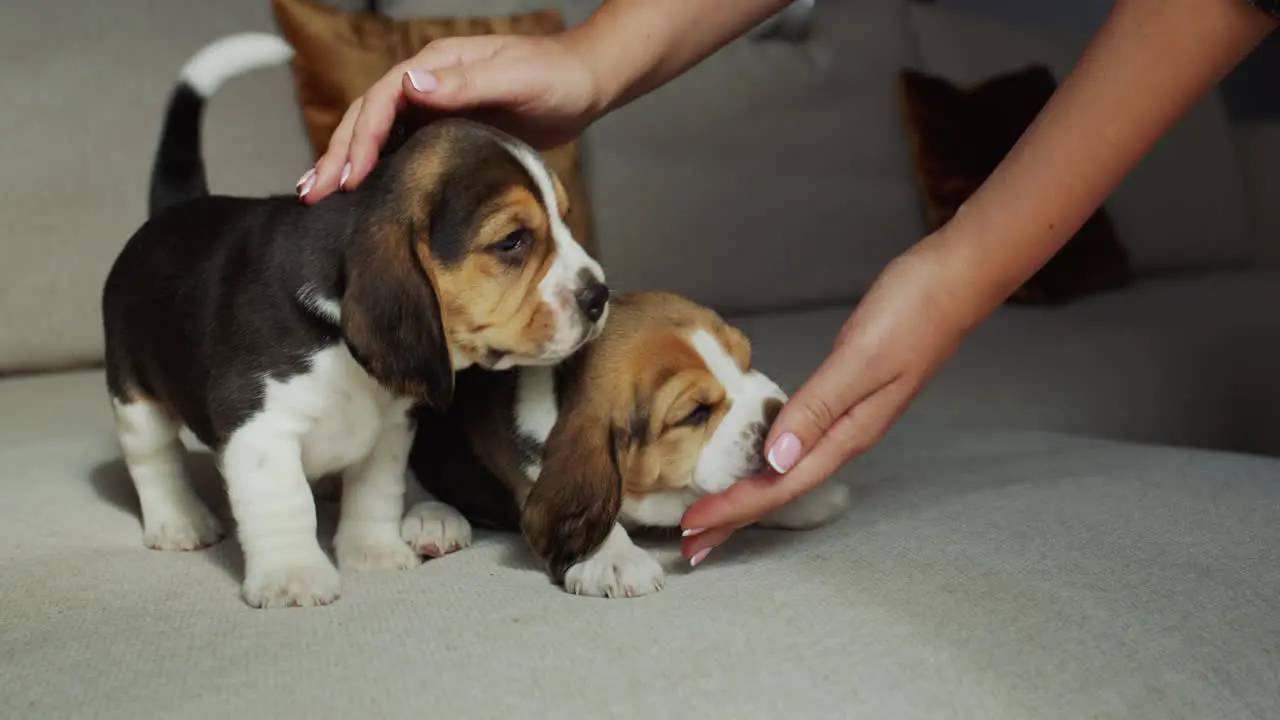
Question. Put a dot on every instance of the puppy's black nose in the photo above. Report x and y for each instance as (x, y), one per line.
(592, 299)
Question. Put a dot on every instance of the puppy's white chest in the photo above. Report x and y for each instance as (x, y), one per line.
(343, 434)
(339, 409)
(536, 411)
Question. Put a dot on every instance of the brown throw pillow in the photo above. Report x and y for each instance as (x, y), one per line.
(958, 137)
(339, 54)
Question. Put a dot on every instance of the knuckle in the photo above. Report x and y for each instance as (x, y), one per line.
(818, 412)
(462, 77)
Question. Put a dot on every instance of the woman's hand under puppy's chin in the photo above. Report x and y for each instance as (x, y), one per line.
(539, 88)
(911, 321)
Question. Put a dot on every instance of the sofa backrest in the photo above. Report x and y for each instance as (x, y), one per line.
(775, 174)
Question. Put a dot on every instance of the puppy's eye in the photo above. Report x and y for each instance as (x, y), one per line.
(700, 415)
(512, 243)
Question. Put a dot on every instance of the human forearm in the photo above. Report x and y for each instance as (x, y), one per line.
(1149, 64)
(635, 46)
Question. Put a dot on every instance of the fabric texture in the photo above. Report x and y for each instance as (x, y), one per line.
(979, 574)
(1189, 187)
(1180, 360)
(959, 136)
(1260, 153)
(339, 54)
(85, 85)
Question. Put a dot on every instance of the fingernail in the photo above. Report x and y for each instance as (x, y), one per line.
(699, 556)
(306, 187)
(305, 177)
(422, 82)
(346, 173)
(693, 531)
(785, 452)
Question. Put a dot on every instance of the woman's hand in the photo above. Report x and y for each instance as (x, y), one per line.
(544, 90)
(538, 88)
(911, 321)
(1131, 85)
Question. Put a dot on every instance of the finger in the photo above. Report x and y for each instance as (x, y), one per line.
(490, 82)
(447, 52)
(853, 433)
(329, 167)
(382, 101)
(697, 547)
(411, 81)
(841, 382)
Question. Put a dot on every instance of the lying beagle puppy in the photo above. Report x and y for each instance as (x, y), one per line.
(295, 341)
(662, 409)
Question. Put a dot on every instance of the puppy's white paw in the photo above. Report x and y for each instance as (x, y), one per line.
(817, 507)
(182, 527)
(306, 581)
(374, 553)
(433, 528)
(622, 571)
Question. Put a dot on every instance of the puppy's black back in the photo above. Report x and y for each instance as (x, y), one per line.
(205, 296)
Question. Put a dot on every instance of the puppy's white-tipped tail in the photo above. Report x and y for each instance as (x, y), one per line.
(230, 56)
(177, 171)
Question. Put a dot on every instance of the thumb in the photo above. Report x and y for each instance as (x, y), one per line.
(839, 384)
(465, 85)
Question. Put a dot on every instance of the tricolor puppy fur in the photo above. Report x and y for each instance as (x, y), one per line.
(294, 341)
(660, 410)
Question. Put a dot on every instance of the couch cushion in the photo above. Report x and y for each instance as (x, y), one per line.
(959, 135)
(984, 574)
(1186, 360)
(1260, 152)
(787, 161)
(1190, 186)
(80, 129)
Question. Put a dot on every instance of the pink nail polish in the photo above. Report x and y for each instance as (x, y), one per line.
(346, 173)
(693, 531)
(305, 177)
(421, 81)
(306, 187)
(699, 556)
(784, 453)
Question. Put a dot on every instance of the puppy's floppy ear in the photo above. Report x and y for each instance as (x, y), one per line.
(578, 495)
(391, 317)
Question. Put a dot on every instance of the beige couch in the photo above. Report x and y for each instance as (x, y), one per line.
(1080, 517)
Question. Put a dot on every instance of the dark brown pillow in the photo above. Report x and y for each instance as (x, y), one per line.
(340, 53)
(958, 137)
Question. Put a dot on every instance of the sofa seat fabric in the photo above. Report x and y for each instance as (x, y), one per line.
(980, 573)
(1183, 360)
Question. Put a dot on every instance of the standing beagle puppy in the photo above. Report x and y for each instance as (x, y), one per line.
(293, 341)
(662, 409)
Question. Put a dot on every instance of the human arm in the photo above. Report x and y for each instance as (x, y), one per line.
(1150, 62)
(544, 89)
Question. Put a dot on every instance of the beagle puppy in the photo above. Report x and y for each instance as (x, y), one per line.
(294, 341)
(662, 409)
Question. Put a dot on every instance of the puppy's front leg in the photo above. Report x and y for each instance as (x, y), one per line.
(431, 527)
(368, 536)
(276, 521)
(618, 568)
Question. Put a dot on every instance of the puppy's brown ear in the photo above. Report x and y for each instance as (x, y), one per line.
(578, 495)
(391, 315)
